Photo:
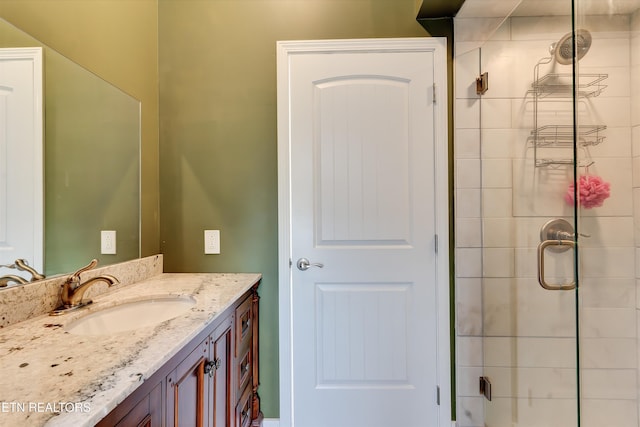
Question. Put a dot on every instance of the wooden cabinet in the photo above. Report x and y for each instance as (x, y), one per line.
(213, 381)
(146, 412)
(188, 390)
(247, 410)
(220, 349)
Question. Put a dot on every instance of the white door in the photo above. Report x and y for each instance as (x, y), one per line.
(21, 159)
(365, 202)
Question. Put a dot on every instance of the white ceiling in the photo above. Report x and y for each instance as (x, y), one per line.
(503, 8)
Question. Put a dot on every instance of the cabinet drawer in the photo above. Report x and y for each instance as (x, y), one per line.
(243, 370)
(243, 410)
(244, 326)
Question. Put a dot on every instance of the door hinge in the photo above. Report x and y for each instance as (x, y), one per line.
(438, 395)
(485, 388)
(482, 84)
(435, 239)
(434, 93)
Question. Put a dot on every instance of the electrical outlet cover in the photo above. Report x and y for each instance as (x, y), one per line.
(211, 242)
(108, 242)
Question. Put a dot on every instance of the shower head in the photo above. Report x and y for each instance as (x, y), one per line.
(562, 51)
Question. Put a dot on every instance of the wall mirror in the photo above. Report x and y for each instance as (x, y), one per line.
(91, 158)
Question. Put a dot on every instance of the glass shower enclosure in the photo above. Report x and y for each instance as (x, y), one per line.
(547, 182)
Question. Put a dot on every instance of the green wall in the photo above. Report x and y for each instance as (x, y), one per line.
(218, 131)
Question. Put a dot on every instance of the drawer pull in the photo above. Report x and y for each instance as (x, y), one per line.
(245, 325)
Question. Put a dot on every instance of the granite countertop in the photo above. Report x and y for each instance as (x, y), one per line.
(51, 377)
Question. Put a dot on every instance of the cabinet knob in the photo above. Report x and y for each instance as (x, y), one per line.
(211, 366)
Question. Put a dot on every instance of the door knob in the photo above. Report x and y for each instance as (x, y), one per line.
(304, 264)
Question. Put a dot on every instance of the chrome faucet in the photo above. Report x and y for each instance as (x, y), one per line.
(5, 280)
(73, 290)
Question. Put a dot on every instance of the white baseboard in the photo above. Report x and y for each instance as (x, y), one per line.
(275, 422)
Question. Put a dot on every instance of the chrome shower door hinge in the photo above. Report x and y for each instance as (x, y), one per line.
(485, 388)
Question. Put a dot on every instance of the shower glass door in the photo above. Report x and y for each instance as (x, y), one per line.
(607, 121)
(530, 282)
(559, 132)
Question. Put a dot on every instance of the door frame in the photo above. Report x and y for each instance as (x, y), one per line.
(286, 49)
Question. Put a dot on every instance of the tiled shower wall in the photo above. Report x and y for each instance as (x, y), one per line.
(508, 328)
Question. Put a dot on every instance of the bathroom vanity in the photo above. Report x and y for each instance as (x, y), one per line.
(198, 368)
(213, 380)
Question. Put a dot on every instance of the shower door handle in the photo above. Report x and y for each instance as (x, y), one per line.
(541, 249)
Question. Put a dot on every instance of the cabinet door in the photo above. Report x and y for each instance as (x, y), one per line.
(221, 345)
(188, 390)
(146, 413)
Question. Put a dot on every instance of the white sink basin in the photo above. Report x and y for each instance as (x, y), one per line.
(131, 315)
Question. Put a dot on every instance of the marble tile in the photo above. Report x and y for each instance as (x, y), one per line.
(469, 307)
(468, 262)
(548, 28)
(635, 134)
(496, 114)
(497, 203)
(467, 114)
(469, 351)
(468, 233)
(533, 383)
(608, 322)
(470, 412)
(618, 81)
(530, 352)
(608, 262)
(468, 203)
(497, 262)
(608, 412)
(496, 173)
(467, 67)
(475, 29)
(498, 232)
(467, 143)
(467, 380)
(607, 232)
(609, 384)
(468, 173)
(608, 292)
(520, 307)
(610, 353)
(504, 143)
(529, 412)
(617, 143)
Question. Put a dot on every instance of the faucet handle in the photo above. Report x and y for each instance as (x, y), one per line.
(75, 277)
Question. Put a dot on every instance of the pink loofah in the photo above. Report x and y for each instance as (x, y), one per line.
(592, 192)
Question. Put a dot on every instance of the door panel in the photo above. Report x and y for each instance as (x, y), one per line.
(363, 206)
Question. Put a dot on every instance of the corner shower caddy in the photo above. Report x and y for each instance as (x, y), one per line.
(557, 86)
